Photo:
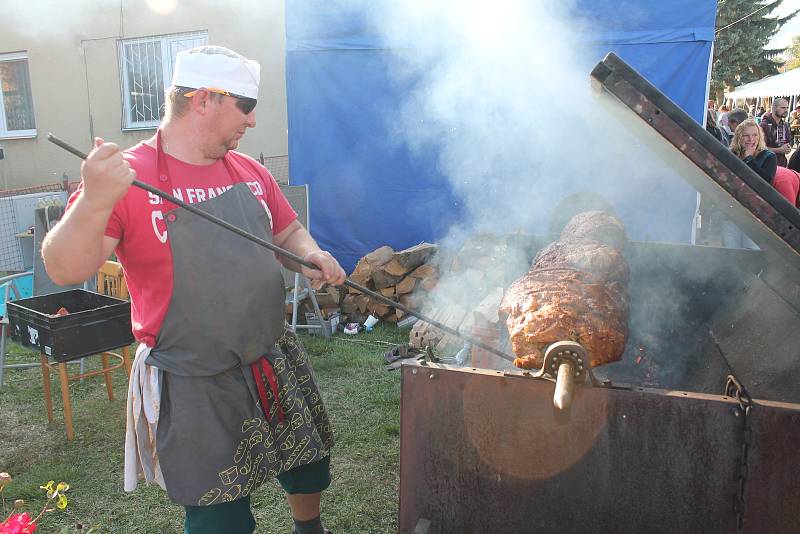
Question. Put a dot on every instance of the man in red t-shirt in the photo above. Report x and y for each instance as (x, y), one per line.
(206, 304)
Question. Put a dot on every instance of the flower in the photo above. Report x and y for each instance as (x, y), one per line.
(59, 490)
(48, 488)
(21, 523)
(18, 524)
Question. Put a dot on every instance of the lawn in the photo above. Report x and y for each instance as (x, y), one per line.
(363, 401)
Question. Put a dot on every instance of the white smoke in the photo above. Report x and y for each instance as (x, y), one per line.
(501, 93)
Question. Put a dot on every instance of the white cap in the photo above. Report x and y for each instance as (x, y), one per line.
(237, 75)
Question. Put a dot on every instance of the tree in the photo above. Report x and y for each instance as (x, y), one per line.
(739, 53)
(793, 54)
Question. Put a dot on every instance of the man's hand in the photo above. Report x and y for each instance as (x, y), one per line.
(785, 149)
(330, 272)
(106, 175)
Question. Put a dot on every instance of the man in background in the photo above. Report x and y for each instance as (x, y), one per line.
(776, 130)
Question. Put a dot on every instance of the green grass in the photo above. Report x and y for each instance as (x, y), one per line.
(363, 401)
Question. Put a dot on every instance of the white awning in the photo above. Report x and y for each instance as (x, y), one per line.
(786, 84)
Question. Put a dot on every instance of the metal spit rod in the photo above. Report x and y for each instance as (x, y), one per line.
(275, 248)
(569, 362)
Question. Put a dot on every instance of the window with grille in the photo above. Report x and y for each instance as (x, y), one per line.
(16, 101)
(146, 64)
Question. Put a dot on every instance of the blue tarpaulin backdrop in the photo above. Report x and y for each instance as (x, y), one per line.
(366, 190)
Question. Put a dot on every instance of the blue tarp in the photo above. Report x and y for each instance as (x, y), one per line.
(367, 189)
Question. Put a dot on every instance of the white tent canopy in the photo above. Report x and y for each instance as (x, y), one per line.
(786, 84)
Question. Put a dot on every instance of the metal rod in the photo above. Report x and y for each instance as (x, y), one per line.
(275, 248)
(562, 397)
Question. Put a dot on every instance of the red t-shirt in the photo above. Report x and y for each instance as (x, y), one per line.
(138, 222)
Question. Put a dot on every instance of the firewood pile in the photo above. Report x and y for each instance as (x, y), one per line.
(328, 300)
(469, 294)
(405, 276)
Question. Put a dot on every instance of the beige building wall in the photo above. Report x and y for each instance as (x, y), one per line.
(73, 61)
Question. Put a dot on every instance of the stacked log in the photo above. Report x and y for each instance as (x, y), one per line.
(468, 297)
(404, 276)
(328, 300)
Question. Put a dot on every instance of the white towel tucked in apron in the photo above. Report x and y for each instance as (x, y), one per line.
(144, 398)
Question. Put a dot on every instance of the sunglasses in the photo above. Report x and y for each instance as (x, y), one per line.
(245, 104)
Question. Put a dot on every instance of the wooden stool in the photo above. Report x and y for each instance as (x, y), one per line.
(110, 281)
(65, 377)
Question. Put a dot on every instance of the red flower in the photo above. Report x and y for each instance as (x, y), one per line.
(18, 524)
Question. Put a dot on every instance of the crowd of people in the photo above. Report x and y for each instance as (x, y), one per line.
(766, 141)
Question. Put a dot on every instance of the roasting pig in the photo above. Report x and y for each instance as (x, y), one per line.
(576, 289)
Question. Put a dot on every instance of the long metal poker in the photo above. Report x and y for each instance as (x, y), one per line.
(294, 257)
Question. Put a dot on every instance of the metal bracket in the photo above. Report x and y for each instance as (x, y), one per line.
(565, 362)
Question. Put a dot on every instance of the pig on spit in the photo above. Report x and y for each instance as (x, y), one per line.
(576, 289)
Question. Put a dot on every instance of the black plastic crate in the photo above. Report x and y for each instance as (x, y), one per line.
(95, 323)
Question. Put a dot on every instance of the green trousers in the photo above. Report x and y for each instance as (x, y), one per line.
(235, 517)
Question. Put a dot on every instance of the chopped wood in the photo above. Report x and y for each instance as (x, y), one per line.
(326, 299)
(354, 307)
(361, 275)
(387, 291)
(429, 283)
(479, 251)
(380, 255)
(395, 268)
(413, 257)
(349, 305)
(354, 291)
(391, 318)
(383, 279)
(406, 285)
(378, 309)
(487, 310)
(423, 271)
(335, 293)
(367, 265)
(411, 300)
(361, 302)
(453, 318)
(423, 334)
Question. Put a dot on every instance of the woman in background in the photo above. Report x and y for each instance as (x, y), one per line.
(713, 128)
(748, 145)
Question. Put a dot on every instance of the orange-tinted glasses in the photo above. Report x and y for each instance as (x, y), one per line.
(244, 103)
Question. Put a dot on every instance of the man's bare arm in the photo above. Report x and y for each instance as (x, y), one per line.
(77, 246)
(296, 239)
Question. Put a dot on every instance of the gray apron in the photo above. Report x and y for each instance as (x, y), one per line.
(239, 403)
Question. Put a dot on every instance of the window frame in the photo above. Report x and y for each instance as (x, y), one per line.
(167, 42)
(16, 134)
